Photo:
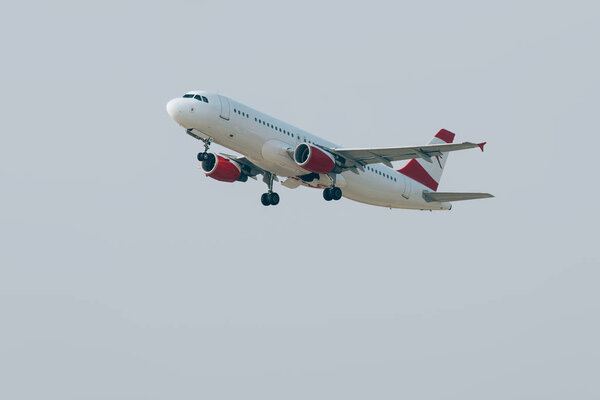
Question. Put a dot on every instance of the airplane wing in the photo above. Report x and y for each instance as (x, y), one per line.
(363, 156)
(448, 196)
(248, 167)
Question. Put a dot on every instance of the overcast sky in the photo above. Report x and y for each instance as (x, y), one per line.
(127, 274)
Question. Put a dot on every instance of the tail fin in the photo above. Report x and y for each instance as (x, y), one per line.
(429, 173)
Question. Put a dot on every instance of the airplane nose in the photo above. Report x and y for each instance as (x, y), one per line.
(173, 108)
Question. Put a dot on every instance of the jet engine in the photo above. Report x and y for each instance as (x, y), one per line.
(314, 159)
(222, 169)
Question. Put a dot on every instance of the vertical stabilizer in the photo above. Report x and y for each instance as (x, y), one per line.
(425, 172)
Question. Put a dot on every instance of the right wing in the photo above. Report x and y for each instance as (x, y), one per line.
(362, 156)
(449, 196)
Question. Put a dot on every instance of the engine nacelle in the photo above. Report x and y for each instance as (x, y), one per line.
(314, 159)
(222, 169)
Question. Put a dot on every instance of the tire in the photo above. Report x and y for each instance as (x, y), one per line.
(274, 199)
(200, 156)
(264, 199)
(336, 193)
(327, 194)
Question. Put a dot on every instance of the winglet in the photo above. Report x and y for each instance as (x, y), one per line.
(481, 145)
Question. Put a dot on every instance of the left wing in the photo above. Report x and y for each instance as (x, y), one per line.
(248, 167)
(385, 155)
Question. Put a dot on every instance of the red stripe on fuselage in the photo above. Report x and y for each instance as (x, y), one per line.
(415, 171)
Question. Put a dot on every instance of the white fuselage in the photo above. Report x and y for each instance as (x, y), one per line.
(265, 141)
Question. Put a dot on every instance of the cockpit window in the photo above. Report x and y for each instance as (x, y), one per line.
(195, 96)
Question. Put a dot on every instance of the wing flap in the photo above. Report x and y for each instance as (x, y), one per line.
(453, 196)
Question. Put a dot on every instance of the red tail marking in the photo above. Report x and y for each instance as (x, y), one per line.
(445, 135)
(481, 145)
(415, 171)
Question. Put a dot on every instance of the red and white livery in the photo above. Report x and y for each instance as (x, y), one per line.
(275, 149)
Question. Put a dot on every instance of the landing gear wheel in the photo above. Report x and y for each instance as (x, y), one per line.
(204, 155)
(327, 194)
(264, 199)
(270, 198)
(273, 199)
(336, 193)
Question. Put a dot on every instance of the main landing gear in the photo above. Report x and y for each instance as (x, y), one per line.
(204, 155)
(333, 192)
(270, 198)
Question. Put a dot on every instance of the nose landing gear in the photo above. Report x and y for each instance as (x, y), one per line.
(204, 155)
(270, 198)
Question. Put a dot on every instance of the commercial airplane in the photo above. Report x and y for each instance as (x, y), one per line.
(273, 149)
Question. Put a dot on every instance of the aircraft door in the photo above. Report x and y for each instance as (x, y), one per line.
(224, 107)
(406, 191)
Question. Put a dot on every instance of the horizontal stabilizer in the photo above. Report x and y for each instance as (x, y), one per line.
(449, 196)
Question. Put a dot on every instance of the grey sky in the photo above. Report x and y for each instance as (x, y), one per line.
(126, 274)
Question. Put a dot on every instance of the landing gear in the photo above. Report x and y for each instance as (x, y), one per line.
(333, 192)
(264, 199)
(336, 193)
(270, 198)
(204, 155)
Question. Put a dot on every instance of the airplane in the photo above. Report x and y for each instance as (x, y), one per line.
(275, 149)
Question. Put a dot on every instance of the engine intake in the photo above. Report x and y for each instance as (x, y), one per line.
(222, 169)
(313, 159)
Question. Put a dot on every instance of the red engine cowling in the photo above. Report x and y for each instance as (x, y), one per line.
(313, 159)
(222, 169)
